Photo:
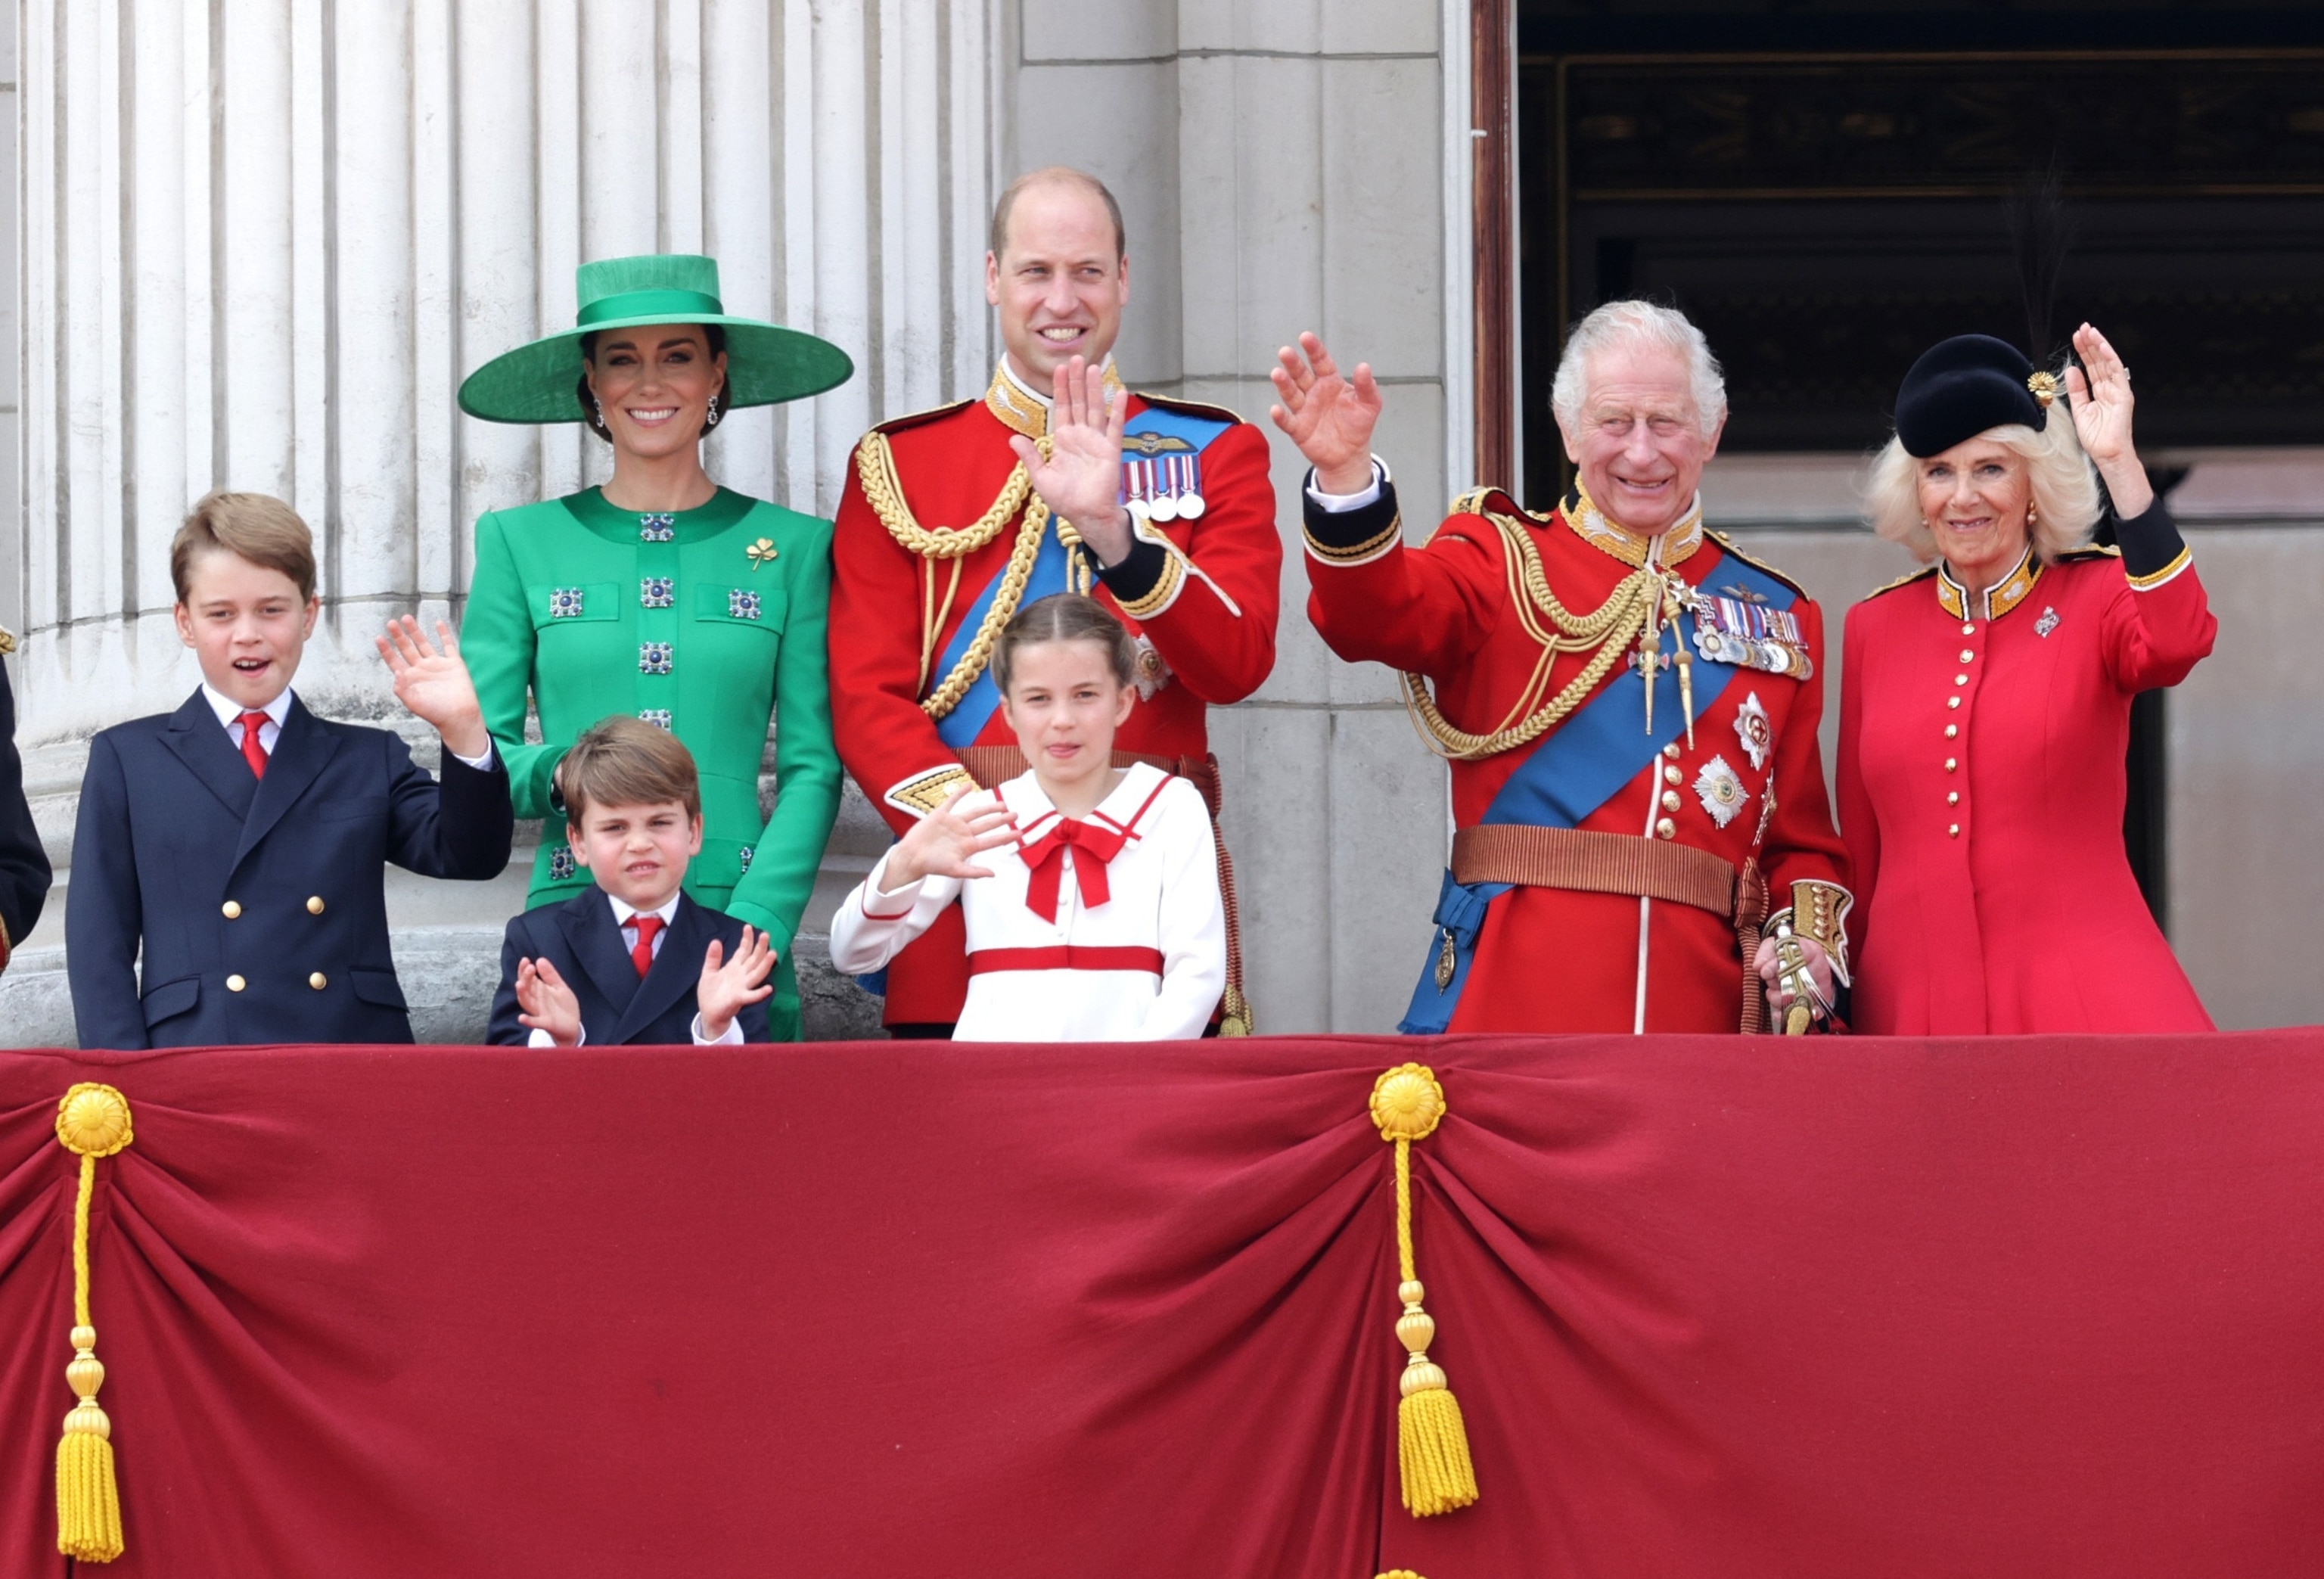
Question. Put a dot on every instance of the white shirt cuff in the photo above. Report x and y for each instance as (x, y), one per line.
(483, 764)
(1338, 503)
(733, 1038)
(541, 1039)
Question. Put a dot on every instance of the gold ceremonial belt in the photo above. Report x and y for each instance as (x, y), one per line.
(1595, 863)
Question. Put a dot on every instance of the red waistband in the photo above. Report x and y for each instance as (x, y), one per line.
(1064, 956)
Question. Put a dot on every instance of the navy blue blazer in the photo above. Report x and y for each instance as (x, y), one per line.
(260, 903)
(580, 937)
(24, 865)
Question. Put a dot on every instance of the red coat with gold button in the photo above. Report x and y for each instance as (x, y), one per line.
(1560, 959)
(1981, 782)
(1203, 592)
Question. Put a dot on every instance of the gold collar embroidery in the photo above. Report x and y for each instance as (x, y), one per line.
(1674, 547)
(1997, 599)
(1024, 411)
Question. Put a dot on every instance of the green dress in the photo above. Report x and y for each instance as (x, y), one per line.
(701, 621)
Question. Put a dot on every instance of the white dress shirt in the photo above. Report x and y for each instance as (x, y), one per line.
(625, 917)
(229, 716)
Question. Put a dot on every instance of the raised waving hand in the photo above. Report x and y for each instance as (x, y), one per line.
(1328, 415)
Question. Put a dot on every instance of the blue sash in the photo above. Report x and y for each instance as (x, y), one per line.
(962, 725)
(1570, 773)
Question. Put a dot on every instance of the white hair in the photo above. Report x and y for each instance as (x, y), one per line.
(2065, 490)
(1619, 324)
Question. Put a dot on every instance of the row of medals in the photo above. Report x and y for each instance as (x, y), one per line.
(1162, 488)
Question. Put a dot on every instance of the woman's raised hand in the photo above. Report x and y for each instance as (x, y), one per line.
(947, 842)
(1329, 417)
(2101, 403)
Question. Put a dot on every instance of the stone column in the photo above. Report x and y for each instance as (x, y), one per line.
(263, 242)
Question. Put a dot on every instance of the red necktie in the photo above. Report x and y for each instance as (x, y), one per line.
(254, 749)
(1094, 847)
(642, 955)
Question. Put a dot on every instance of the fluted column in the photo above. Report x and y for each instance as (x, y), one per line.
(264, 241)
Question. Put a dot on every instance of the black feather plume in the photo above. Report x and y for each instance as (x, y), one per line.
(2041, 232)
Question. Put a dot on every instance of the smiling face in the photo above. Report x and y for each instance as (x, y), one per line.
(1064, 705)
(1974, 496)
(1640, 448)
(636, 854)
(654, 385)
(1059, 285)
(246, 624)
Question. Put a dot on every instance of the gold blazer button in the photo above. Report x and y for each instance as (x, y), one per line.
(318, 980)
(231, 910)
(236, 983)
(315, 905)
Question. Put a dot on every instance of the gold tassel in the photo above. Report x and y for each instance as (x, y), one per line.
(1432, 1441)
(92, 1122)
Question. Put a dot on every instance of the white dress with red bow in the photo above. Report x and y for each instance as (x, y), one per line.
(1108, 929)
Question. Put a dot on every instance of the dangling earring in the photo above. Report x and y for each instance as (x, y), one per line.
(2033, 518)
(710, 421)
(597, 406)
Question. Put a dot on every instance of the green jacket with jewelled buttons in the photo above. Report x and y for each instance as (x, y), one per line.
(705, 621)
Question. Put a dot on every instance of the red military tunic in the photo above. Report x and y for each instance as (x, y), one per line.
(1981, 782)
(1561, 959)
(1202, 591)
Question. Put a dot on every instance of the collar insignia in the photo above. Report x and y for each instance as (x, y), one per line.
(1996, 600)
(1025, 411)
(1674, 547)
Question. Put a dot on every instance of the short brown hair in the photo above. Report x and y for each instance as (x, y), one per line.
(256, 526)
(1056, 175)
(626, 762)
(1068, 616)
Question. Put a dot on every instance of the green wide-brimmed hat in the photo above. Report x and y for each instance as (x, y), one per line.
(766, 364)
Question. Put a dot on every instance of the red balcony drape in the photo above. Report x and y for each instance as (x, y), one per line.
(1711, 1305)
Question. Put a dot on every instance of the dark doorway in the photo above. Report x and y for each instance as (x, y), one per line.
(1822, 187)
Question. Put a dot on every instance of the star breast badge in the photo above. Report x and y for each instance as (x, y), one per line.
(1752, 727)
(1720, 790)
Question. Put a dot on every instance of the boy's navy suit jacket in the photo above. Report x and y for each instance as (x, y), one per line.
(260, 903)
(578, 936)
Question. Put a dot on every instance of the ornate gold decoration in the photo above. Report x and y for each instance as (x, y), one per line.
(1998, 599)
(1020, 410)
(2044, 385)
(2152, 579)
(1432, 1439)
(7, 643)
(1165, 589)
(761, 552)
(1371, 548)
(93, 1121)
(922, 795)
(1629, 611)
(1602, 531)
(1820, 911)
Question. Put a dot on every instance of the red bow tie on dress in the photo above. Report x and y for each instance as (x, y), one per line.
(1045, 856)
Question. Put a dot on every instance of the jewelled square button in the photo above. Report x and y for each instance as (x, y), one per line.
(657, 716)
(657, 592)
(564, 603)
(561, 864)
(653, 658)
(741, 604)
(656, 529)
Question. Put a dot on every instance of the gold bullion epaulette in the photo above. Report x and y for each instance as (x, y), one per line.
(7, 642)
(1487, 502)
(1762, 566)
(1907, 579)
(2091, 552)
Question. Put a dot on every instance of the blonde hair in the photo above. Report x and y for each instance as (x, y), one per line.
(256, 526)
(2065, 489)
(626, 762)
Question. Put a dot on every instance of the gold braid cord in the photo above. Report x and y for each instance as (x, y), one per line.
(875, 465)
(1630, 609)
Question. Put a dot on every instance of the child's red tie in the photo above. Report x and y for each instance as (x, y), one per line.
(1094, 845)
(254, 749)
(642, 955)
